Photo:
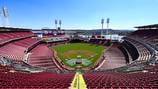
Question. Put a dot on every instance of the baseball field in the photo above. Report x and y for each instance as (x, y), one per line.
(85, 53)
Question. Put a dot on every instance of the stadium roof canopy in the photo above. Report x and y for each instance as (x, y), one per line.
(153, 26)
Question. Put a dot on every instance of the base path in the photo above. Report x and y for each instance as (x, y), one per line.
(78, 82)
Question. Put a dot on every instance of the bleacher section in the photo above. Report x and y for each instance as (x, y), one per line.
(112, 80)
(100, 41)
(144, 53)
(42, 80)
(5, 68)
(137, 75)
(113, 58)
(8, 36)
(27, 43)
(125, 52)
(41, 55)
(131, 50)
(141, 43)
(12, 51)
(146, 35)
(9, 44)
(24, 46)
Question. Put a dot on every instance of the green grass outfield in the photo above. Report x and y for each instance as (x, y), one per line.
(89, 52)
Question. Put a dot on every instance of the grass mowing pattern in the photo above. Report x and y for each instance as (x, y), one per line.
(77, 49)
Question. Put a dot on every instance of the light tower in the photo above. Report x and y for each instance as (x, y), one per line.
(102, 23)
(0, 16)
(107, 21)
(60, 23)
(56, 23)
(4, 16)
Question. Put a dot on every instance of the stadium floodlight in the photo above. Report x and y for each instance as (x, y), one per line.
(0, 16)
(107, 21)
(4, 15)
(56, 22)
(102, 23)
(5, 12)
(60, 23)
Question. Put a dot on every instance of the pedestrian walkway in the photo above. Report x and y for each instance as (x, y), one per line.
(78, 82)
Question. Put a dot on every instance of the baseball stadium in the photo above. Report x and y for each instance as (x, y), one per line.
(63, 58)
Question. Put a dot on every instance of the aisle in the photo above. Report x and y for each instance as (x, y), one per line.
(78, 82)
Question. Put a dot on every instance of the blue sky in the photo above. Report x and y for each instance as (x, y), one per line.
(81, 14)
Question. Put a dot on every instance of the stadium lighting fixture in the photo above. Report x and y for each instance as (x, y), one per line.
(60, 23)
(56, 22)
(0, 16)
(107, 21)
(4, 16)
(102, 23)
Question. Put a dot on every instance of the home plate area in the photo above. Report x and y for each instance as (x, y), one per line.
(78, 61)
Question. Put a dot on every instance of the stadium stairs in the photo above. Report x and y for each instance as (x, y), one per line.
(78, 82)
